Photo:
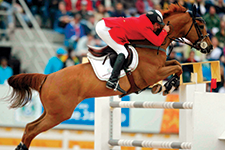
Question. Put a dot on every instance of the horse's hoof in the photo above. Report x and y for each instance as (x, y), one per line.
(165, 93)
(156, 88)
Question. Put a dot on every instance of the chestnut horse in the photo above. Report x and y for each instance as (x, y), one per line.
(62, 91)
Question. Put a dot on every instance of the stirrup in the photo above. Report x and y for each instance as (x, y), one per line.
(115, 87)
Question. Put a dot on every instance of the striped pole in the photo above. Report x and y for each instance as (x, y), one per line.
(150, 144)
(165, 105)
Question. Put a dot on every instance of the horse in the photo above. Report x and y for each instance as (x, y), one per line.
(62, 91)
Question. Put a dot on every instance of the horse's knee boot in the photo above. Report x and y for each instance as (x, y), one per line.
(171, 85)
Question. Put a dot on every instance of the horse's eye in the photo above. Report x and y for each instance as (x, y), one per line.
(201, 26)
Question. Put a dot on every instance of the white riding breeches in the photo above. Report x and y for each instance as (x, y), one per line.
(103, 33)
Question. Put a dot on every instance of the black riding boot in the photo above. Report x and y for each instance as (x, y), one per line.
(113, 82)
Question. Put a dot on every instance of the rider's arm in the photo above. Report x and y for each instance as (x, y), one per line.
(153, 38)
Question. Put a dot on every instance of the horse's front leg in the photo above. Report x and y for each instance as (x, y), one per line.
(174, 63)
(172, 67)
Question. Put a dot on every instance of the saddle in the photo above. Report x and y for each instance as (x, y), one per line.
(111, 54)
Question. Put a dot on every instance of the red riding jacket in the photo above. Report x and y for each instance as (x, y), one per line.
(133, 28)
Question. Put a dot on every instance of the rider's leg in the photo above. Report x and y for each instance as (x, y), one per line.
(112, 83)
(102, 31)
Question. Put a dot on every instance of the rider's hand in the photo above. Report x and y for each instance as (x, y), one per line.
(167, 28)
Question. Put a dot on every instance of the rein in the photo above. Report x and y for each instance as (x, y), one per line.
(149, 46)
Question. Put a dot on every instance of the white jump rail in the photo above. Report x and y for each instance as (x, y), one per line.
(150, 144)
(160, 105)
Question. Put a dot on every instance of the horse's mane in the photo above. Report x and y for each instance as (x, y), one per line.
(173, 8)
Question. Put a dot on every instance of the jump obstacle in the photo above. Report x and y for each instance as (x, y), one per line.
(201, 118)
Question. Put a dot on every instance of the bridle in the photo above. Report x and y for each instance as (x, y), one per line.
(198, 43)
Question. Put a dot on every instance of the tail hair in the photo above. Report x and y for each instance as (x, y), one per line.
(22, 85)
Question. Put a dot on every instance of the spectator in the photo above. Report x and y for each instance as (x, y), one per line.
(52, 7)
(172, 56)
(127, 4)
(217, 52)
(221, 34)
(144, 6)
(25, 17)
(56, 63)
(99, 42)
(82, 44)
(87, 3)
(212, 21)
(100, 13)
(72, 60)
(140, 7)
(3, 28)
(8, 5)
(165, 3)
(191, 57)
(90, 25)
(68, 4)
(201, 10)
(5, 71)
(187, 69)
(73, 32)
(84, 12)
(186, 4)
(132, 12)
(220, 7)
(222, 89)
(38, 8)
(119, 12)
(62, 18)
(157, 7)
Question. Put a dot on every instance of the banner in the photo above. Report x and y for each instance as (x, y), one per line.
(84, 113)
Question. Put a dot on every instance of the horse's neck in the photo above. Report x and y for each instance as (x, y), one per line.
(178, 22)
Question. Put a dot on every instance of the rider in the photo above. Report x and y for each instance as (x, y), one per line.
(117, 31)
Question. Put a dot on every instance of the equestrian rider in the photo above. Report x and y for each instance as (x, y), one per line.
(117, 31)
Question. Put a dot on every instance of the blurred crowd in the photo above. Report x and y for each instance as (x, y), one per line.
(76, 20)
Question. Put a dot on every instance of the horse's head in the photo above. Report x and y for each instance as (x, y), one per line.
(197, 34)
(186, 24)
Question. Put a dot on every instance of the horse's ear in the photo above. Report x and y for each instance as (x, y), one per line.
(194, 10)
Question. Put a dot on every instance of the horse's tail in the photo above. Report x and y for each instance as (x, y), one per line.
(22, 85)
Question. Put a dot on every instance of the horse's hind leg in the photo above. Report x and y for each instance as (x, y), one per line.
(56, 111)
(46, 122)
(21, 146)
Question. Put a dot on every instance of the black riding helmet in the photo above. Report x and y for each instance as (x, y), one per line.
(155, 16)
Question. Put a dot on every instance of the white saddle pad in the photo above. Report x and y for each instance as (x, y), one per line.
(103, 71)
